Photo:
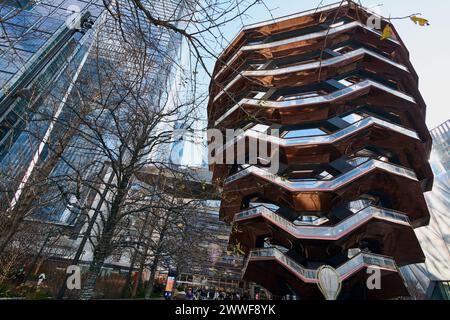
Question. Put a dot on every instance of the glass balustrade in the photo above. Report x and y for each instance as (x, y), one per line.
(311, 36)
(324, 63)
(353, 265)
(321, 139)
(316, 100)
(309, 66)
(328, 231)
(303, 184)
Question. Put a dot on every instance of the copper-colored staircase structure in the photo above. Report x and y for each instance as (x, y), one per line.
(353, 149)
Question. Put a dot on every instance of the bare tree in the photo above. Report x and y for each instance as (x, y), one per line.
(121, 112)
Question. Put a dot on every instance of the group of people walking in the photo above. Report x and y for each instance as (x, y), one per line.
(202, 294)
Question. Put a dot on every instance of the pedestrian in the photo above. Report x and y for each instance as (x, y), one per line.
(189, 294)
(41, 279)
(19, 277)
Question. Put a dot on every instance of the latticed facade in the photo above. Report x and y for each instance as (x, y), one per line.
(353, 152)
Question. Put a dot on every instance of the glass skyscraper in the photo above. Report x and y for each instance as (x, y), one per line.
(45, 50)
(431, 280)
(36, 45)
(440, 157)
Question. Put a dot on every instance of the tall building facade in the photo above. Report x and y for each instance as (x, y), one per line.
(48, 49)
(39, 41)
(111, 49)
(221, 270)
(440, 157)
(431, 280)
(353, 152)
(44, 48)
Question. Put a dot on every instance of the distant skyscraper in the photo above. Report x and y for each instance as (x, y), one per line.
(188, 149)
(440, 156)
(431, 280)
(222, 270)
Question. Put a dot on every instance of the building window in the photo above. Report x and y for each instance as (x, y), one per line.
(22, 4)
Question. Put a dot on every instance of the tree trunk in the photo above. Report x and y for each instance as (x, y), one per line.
(88, 289)
(126, 287)
(149, 290)
(86, 236)
(133, 260)
(141, 269)
(5, 240)
(101, 252)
